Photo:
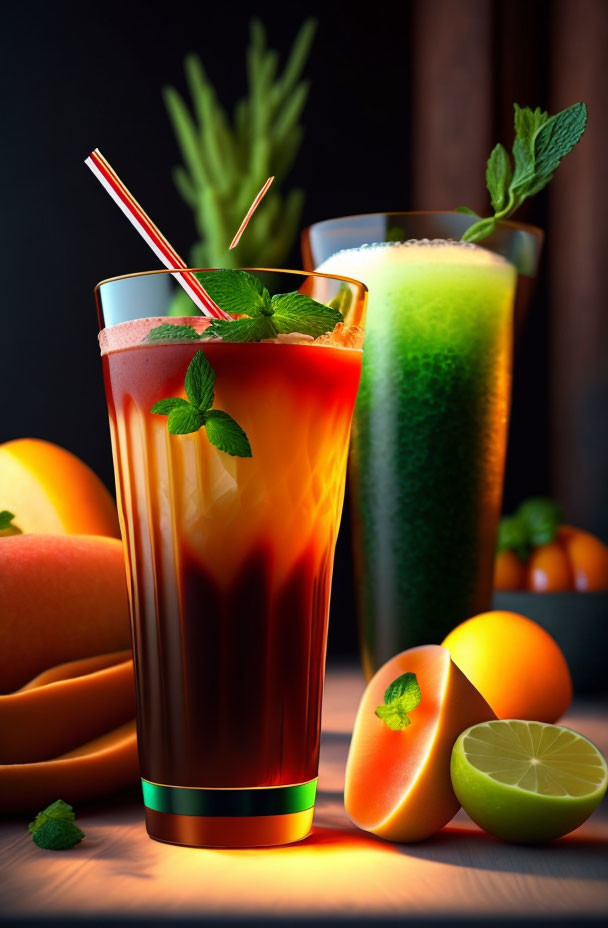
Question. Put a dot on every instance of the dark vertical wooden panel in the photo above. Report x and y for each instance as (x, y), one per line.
(578, 269)
(451, 102)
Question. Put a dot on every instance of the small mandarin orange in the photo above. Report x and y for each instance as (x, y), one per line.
(588, 558)
(509, 571)
(548, 569)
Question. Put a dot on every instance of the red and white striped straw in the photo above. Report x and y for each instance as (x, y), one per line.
(109, 179)
(250, 212)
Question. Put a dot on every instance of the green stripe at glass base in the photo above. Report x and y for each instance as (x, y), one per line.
(271, 800)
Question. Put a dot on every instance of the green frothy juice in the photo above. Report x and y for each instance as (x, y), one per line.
(429, 436)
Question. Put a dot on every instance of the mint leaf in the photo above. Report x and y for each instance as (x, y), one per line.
(540, 145)
(57, 810)
(467, 210)
(164, 407)
(184, 419)
(394, 716)
(296, 312)
(54, 828)
(404, 687)
(498, 176)
(166, 332)
(513, 536)
(528, 122)
(554, 140)
(236, 291)
(226, 434)
(541, 517)
(244, 330)
(56, 835)
(400, 698)
(199, 382)
(6, 518)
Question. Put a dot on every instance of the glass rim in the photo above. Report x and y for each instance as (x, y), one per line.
(261, 270)
(509, 223)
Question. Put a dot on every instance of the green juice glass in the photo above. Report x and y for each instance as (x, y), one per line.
(430, 429)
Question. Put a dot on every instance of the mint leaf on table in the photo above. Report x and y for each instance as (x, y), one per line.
(236, 291)
(226, 434)
(57, 835)
(541, 143)
(168, 332)
(186, 416)
(400, 698)
(53, 829)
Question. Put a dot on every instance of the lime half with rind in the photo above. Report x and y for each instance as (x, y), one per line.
(527, 782)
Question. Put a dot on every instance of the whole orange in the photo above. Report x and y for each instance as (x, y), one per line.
(515, 664)
(509, 571)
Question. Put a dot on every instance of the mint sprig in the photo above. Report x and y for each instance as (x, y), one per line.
(54, 829)
(400, 698)
(262, 316)
(186, 416)
(6, 524)
(541, 143)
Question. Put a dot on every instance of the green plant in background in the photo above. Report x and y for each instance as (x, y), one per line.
(225, 162)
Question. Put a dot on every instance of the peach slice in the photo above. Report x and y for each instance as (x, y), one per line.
(65, 707)
(100, 767)
(63, 597)
(398, 783)
(51, 491)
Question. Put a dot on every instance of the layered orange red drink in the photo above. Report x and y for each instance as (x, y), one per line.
(229, 563)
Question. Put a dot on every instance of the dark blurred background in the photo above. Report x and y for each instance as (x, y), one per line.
(407, 101)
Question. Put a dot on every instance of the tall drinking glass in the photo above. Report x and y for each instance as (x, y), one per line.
(229, 560)
(430, 429)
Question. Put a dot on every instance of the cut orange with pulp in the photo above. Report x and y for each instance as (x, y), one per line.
(398, 783)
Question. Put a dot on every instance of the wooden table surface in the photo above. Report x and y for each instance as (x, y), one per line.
(339, 873)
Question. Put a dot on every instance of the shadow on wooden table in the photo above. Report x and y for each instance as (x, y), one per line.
(573, 857)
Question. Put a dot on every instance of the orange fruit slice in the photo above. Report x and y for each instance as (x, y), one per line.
(398, 783)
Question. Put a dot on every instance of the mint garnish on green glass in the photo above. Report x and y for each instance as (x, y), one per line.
(185, 416)
(541, 142)
(400, 697)
(263, 316)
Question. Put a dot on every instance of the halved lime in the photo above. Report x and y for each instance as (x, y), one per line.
(527, 782)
